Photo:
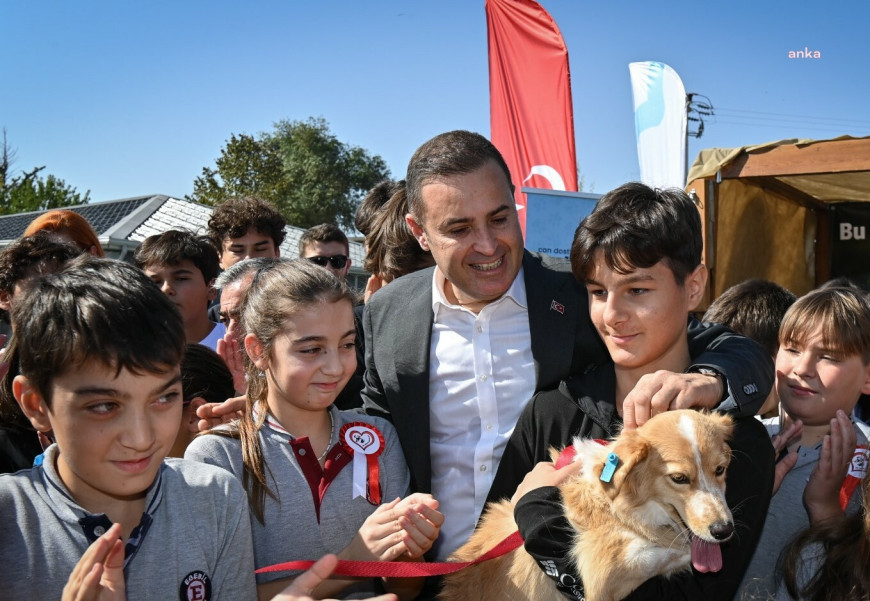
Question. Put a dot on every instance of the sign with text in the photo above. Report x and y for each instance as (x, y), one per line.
(850, 247)
(553, 217)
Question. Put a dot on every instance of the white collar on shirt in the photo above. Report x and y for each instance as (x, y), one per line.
(516, 293)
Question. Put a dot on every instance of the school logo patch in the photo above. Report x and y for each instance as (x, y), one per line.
(859, 463)
(196, 586)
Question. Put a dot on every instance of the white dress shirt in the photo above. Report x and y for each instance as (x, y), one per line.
(481, 375)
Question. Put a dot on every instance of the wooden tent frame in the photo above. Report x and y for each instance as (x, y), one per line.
(768, 168)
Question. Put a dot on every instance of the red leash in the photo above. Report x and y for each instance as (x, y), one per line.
(411, 569)
(402, 569)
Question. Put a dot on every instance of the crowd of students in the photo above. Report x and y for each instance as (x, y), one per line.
(352, 431)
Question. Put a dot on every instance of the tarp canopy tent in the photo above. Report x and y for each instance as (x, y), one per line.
(790, 211)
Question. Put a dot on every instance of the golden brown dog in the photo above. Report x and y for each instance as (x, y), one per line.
(662, 511)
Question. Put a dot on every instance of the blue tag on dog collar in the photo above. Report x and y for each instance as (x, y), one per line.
(609, 467)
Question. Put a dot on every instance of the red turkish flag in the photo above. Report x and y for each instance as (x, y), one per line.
(532, 119)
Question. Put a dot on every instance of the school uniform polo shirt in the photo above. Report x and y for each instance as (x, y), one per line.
(787, 516)
(314, 510)
(193, 542)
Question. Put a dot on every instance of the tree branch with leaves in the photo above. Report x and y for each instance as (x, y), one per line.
(301, 167)
(30, 191)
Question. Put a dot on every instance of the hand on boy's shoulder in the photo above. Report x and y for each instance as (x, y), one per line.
(663, 391)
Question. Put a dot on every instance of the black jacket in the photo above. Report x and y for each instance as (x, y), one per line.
(584, 407)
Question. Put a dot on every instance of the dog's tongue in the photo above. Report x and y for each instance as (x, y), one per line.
(706, 557)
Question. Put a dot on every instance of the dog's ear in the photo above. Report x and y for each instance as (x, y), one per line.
(554, 454)
(632, 449)
(724, 424)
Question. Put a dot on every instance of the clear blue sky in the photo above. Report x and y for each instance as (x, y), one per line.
(132, 98)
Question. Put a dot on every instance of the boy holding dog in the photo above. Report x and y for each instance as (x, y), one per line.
(639, 254)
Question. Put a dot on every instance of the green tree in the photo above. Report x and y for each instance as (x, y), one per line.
(30, 191)
(301, 167)
(247, 167)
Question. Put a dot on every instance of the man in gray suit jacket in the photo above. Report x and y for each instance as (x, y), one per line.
(454, 352)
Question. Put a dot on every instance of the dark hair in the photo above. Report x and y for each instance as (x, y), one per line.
(174, 246)
(277, 291)
(448, 154)
(842, 574)
(374, 202)
(204, 374)
(93, 310)
(635, 227)
(26, 258)
(842, 314)
(753, 308)
(21, 263)
(43, 252)
(391, 249)
(841, 282)
(323, 233)
(235, 216)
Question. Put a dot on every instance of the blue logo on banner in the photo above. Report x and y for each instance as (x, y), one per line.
(652, 111)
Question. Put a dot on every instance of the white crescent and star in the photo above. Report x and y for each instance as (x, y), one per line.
(548, 173)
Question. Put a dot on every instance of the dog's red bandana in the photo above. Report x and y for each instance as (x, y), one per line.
(568, 453)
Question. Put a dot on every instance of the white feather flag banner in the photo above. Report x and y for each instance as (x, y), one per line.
(660, 124)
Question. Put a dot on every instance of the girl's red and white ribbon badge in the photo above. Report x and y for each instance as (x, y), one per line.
(365, 443)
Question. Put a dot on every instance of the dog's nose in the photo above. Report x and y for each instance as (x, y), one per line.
(722, 530)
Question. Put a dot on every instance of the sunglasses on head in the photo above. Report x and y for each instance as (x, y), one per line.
(337, 261)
